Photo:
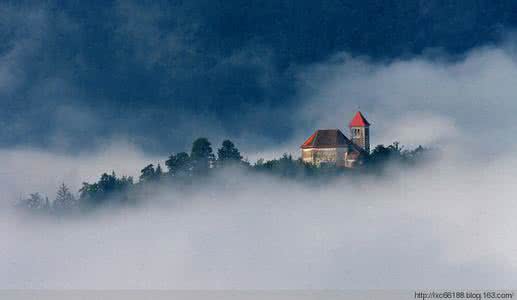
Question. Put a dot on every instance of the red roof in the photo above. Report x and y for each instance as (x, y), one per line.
(327, 138)
(359, 121)
(309, 141)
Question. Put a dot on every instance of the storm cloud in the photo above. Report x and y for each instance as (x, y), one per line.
(76, 75)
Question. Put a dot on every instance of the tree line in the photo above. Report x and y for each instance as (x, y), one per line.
(189, 169)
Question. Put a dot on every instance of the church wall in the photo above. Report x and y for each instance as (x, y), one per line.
(318, 156)
(361, 137)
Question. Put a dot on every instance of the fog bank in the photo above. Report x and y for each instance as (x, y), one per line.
(445, 225)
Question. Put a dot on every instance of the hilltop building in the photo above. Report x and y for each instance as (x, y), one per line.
(331, 146)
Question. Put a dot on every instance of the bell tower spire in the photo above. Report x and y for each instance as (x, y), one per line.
(360, 131)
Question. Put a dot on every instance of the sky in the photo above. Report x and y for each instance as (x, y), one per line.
(88, 87)
(74, 76)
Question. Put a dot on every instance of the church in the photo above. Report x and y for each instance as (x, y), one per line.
(332, 147)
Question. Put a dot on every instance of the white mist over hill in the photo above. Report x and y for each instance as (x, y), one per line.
(442, 226)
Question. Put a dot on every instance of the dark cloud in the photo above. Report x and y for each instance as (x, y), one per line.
(75, 74)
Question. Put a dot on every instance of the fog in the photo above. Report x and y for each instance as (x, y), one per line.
(449, 223)
(441, 226)
(28, 170)
(419, 100)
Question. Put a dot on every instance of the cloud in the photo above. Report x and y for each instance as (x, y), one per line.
(28, 170)
(26, 27)
(421, 129)
(163, 73)
(417, 100)
(447, 225)
(144, 72)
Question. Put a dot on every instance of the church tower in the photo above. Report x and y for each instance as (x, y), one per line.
(360, 131)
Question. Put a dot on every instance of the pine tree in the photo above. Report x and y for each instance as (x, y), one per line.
(35, 201)
(158, 172)
(147, 173)
(228, 154)
(109, 187)
(201, 156)
(178, 164)
(64, 199)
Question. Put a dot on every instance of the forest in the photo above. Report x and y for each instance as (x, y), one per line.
(192, 170)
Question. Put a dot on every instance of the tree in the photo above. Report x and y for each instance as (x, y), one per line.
(228, 154)
(64, 199)
(201, 156)
(46, 206)
(147, 173)
(259, 163)
(419, 154)
(34, 202)
(382, 155)
(109, 186)
(150, 174)
(285, 166)
(178, 164)
(158, 173)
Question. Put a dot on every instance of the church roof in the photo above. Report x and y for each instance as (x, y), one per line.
(327, 138)
(359, 120)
